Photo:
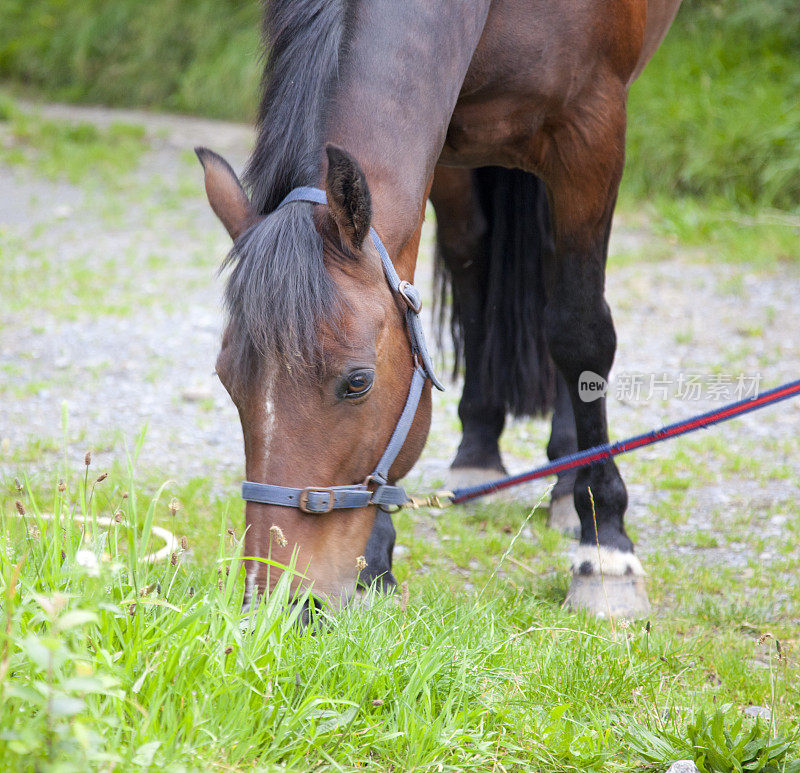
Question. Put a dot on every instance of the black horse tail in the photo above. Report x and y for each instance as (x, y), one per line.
(516, 369)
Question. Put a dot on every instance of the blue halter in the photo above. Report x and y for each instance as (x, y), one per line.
(318, 499)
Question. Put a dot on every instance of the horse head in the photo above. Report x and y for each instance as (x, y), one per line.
(316, 357)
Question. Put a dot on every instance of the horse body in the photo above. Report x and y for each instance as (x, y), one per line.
(537, 86)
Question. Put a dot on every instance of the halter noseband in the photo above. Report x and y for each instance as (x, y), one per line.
(318, 499)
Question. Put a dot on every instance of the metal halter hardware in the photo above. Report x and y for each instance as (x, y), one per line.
(318, 500)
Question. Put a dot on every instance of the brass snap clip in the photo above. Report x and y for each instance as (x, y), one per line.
(440, 499)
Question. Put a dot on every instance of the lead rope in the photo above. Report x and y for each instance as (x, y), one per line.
(609, 450)
(313, 499)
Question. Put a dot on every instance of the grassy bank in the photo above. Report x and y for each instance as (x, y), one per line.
(194, 56)
(108, 662)
(715, 114)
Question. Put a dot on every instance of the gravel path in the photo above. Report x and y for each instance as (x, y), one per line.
(150, 359)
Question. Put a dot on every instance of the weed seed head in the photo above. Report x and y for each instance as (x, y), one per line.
(173, 559)
(361, 563)
(101, 478)
(17, 484)
(404, 595)
(87, 460)
(184, 543)
(277, 532)
(52, 605)
(20, 507)
(174, 506)
(62, 487)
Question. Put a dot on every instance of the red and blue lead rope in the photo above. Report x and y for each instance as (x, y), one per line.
(610, 450)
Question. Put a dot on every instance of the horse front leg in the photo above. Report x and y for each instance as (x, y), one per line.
(582, 172)
(562, 515)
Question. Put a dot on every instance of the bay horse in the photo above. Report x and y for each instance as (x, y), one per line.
(510, 115)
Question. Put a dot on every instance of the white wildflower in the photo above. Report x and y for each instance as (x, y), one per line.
(88, 560)
(6, 549)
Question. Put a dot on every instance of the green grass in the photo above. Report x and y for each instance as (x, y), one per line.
(715, 114)
(74, 151)
(107, 662)
(73, 286)
(711, 230)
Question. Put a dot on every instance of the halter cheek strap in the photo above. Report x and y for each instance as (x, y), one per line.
(316, 499)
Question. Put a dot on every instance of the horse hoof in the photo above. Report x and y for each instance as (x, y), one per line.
(563, 516)
(608, 596)
(464, 477)
(607, 583)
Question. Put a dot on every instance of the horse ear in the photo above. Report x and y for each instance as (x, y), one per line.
(225, 193)
(348, 195)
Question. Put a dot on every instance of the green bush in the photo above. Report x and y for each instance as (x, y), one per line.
(187, 55)
(716, 112)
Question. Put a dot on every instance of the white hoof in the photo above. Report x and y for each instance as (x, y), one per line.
(563, 517)
(607, 583)
(596, 559)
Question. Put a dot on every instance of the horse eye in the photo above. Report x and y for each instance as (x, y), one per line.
(359, 383)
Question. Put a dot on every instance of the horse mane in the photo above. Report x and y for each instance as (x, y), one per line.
(279, 289)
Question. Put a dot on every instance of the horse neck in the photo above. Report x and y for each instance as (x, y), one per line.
(398, 85)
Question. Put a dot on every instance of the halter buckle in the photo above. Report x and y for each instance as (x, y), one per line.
(303, 503)
(413, 303)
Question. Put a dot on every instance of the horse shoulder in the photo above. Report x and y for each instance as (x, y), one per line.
(536, 67)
